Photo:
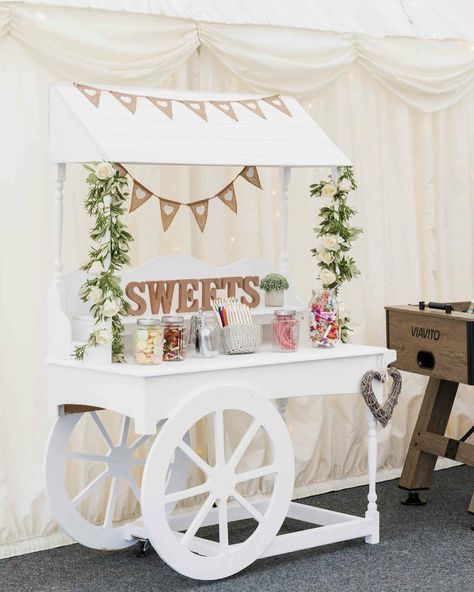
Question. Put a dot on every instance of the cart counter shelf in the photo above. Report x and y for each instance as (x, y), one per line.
(170, 400)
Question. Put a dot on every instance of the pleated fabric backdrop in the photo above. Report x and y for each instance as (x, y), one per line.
(402, 109)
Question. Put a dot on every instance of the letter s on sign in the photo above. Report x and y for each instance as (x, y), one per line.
(130, 291)
(250, 281)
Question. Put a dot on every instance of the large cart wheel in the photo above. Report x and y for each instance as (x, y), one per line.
(119, 463)
(220, 491)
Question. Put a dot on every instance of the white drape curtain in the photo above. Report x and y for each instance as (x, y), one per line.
(401, 109)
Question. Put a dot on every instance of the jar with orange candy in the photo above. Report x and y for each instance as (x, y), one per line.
(324, 330)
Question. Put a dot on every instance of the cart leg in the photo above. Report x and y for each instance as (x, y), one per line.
(433, 418)
(372, 511)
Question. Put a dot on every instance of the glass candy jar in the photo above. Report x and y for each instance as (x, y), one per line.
(148, 342)
(174, 341)
(285, 331)
(204, 334)
(324, 319)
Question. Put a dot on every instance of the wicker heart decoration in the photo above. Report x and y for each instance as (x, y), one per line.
(382, 413)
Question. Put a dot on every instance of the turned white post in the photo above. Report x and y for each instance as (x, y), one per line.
(372, 511)
(284, 222)
(59, 326)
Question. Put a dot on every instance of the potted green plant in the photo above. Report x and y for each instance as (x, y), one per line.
(274, 286)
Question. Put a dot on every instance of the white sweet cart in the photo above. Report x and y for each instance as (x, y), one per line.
(167, 403)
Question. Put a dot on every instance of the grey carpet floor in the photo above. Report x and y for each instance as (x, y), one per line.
(429, 548)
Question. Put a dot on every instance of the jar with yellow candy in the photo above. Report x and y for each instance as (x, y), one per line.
(148, 342)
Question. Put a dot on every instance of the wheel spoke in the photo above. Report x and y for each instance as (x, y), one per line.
(102, 429)
(247, 506)
(124, 430)
(87, 456)
(194, 456)
(139, 442)
(185, 493)
(109, 512)
(223, 526)
(134, 487)
(219, 437)
(197, 521)
(256, 473)
(244, 443)
(90, 488)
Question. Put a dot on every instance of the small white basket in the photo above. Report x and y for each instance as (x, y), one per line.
(241, 339)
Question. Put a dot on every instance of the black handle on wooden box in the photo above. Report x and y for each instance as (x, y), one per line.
(448, 308)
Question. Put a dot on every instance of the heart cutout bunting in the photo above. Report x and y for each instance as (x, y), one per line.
(200, 210)
(140, 195)
(277, 102)
(127, 100)
(92, 94)
(382, 413)
(225, 107)
(198, 107)
(227, 196)
(253, 106)
(164, 105)
(169, 209)
(250, 174)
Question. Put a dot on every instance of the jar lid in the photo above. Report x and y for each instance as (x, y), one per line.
(176, 319)
(285, 313)
(148, 322)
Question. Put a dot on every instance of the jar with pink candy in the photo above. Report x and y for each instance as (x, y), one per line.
(324, 330)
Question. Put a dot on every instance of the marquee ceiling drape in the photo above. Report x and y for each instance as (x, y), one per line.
(401, 108)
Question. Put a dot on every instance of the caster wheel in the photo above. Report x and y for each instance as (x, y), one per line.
(225, 469)
(93, 469)
(143, 548)
(413, 499)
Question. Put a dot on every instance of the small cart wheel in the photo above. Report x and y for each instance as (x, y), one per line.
(175, 541)
(108, 484)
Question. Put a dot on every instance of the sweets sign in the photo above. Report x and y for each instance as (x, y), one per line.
(189, 295)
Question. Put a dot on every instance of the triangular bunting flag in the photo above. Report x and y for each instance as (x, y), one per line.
(250, 173)
(253, 106)
(197, 107)
(129, 101)
(225, 107)
(164, 105)
(227, 196)
(118, 167)
(91, 93)
(140, 195)
(277, 102)
(169, 209)
(200, 210)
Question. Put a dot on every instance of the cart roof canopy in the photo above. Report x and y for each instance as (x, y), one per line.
(263, 136)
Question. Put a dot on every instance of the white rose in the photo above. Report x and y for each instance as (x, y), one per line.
(103, 337)
(327, 277)
(110, 308)
(328, 190)
(345, 185)
(325, 256)
(96, 268)
(95, 294)
(343, 314)
(331, 242)
(104, 170)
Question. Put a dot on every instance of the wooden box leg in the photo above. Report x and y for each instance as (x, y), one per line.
(471, 505)
(433, 417)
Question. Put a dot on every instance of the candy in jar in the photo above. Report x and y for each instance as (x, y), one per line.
(285, 331)
(174, 341)
(324, 319)
(148, 342)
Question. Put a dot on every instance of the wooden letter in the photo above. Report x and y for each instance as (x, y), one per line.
(130, 291)
(254, 295)
(161, 295)
(209, 291)
(231, 284)
(186, 296)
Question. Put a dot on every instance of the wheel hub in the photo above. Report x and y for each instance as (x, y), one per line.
(120, 461)
(222, 482)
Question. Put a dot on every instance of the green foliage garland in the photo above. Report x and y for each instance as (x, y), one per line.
(108, 192)
(336, 235)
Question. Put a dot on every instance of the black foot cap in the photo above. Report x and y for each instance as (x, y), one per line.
(143, 548)
(413, 499)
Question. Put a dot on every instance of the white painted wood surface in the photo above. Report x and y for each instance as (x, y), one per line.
(111, 132)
